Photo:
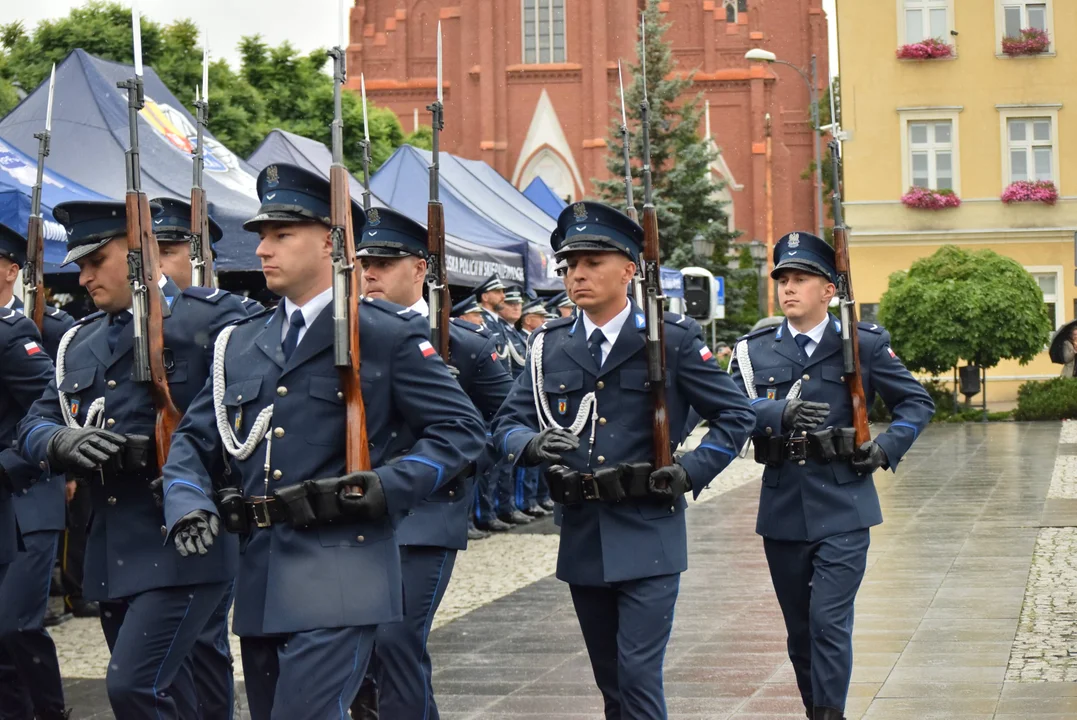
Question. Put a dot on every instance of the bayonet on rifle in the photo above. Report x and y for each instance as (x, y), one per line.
(437, 284)
(33, 272)
(652, 283)
(201, 243)
(366, 147)
(850, 336)
(627, 150)
(346, 281)
(143, 270)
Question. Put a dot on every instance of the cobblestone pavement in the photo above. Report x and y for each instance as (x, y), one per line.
(945, 625)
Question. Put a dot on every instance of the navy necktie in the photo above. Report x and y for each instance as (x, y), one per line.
(292, 338)
(116, 324)
(802, 341)
(595, 346)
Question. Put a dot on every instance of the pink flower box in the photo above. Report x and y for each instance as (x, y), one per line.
(920, 198)
(1043, 191)
(1031, 41)
(929, 49)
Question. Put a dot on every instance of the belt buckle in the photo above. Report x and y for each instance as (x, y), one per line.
(588, 487)
(797, 449)
(261, 520)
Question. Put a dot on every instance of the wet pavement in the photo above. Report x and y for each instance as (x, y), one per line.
(950, 623)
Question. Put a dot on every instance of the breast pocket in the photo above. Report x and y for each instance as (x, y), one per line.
(77, 382)
(836, 393)
(238, 394)
(327, 407)
(773, 381)
(563, 391)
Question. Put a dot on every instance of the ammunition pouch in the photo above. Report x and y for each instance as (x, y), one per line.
(303, 505)
(137, 459)
(823, 446)
(233, 513)
(627, 481)
(297, 504)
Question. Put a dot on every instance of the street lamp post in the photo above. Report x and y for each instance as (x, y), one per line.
(703, 247)
(759, 257)
(813, 93)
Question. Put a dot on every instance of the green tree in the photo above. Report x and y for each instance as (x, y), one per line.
(684, 191)
(742, 298)
(422, 137)
(980, 307)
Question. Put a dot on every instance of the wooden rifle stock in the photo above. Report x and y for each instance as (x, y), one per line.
(357, 450)
(141, 241)
(34, 275)
(656, 336)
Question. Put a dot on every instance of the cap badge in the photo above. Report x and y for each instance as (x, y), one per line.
(373, 217)
(272, 176)
(580, 211)
(794, 240)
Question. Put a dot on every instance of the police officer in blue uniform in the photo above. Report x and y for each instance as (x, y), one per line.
(30, 684)
(491, 294)
(509, 481)
(319, 565)
(536, 494)
(393, 252)
(561, 305)
(818, 498)
(173, 230)
(623, 537)
(94, 420)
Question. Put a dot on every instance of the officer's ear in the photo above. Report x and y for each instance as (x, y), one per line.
(829, 291)
(420, 268)
(629, 272)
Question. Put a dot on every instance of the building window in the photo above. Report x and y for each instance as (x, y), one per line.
(544, 31)
(869, 312)
(742, 5)
(931, 154)
(1031, 149)
(926, 19)
(1018, 15)
(730, 11)
(1049, 281)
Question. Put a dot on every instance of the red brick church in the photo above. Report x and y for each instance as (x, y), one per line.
(528, 86)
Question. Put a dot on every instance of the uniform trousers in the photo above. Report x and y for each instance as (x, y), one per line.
(29, 668)
(401, 662)
(151, 635)
(816, 584)
(73, 546)
(311, 675)
(211, 664)
(626, 627)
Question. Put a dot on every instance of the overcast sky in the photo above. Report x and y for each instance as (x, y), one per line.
(308, 24)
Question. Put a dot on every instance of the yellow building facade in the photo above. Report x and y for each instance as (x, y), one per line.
(973, 123)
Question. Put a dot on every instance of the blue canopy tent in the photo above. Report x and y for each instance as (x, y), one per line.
(548, 201)
(18, 172)
(473, 209)
(90, 135)
(467, 263)
(672, 282)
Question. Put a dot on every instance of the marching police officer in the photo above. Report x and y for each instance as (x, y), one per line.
(30, 684)
(174, 235)
(623, 538)
(509, 482)
(94, 420)
(393, 252)
(320, 566)
(818, 498)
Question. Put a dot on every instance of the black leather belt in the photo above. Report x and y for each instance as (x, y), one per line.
(263, 512)
(822, 446)
(624, 481)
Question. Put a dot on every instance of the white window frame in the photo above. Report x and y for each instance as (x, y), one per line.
(1014, 112)
(1059, 296)
(947, 38)
(726, 6)
(930, 114)
(540, 7)
(1000, 23)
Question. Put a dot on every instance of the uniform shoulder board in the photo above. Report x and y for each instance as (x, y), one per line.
(554, 324)
(210, 295)
(10, 316)
(759, 333)
(261, 314)
(391, 308)
(870, 327)
(90, 318)
(477, 329)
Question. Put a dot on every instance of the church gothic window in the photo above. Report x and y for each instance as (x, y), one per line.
(544, 31)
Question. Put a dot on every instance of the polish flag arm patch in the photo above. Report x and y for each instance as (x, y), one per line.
(32, 348)
(705, 353)
(891, 351)
(427, 349)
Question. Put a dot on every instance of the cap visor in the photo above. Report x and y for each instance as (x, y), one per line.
(802, 265)
(366, 250)
(77, 253)
(256, 222)
(585, 246)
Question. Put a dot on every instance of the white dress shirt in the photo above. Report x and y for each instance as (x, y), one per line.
(10, 303)
(816, 335)
(310, 311)
(610, 330)
(421, 307)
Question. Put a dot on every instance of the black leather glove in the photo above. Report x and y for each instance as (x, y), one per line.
(367, 504)
(669, 483)
(548, 445)
(803, 415)
(83, 448)
(194, 532)
(157, 489)
(869, 457)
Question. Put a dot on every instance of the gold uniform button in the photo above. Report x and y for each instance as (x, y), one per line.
(112, 501)
(360, 538)
(282, 391)
(600, 385)
(806, 377)
(601, 459)
(76, 386)
(43, 465)
(561, 387)
(279, 432)
(511, 457)
(111, 384)
(340, 395)
(770, 379)
(164, 531)
(452, 493)
(277, 474)
(602, 421)
(770, 431)
(110, 422)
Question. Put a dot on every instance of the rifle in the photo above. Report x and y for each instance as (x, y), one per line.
(346, 283)
(365, 145)
(201, 243)
(652, 284)
(143, 270)
(33, 273)
(437, 284)
(626, 149)
(850, 336)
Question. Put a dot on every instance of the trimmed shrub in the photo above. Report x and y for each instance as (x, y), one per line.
(1054, 399)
